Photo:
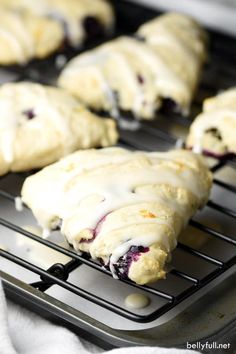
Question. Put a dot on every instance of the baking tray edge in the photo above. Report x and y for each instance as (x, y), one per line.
(202, 321)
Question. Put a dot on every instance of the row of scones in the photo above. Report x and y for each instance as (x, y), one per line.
(125, 209)
(35, 29)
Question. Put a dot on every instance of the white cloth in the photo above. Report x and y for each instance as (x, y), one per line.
(22, 332)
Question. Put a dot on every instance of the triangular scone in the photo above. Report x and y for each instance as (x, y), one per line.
(181, 42)
(79, 20)
(126, 209)
(214, 131)
(40, 124)
(133, 75)
(24, 37)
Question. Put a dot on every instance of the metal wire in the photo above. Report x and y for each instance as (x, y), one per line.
(58, 274)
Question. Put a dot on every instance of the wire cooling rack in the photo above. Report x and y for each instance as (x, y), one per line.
(167, 130)
(59, 273)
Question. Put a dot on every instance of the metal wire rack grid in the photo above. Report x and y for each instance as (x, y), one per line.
(59, 274)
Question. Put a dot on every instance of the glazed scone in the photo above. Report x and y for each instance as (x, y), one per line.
(138, 76)
(181, 42)
(47, 35)
(24, 37)
(40, 124)
(178, 30)
(214, 131)
(126, 209)
(78, 19)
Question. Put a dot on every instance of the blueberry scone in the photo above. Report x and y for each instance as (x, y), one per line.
(79, 20)
(40, 124)
(214, 131)
(126, 209)
(24, 37)
(141, 75)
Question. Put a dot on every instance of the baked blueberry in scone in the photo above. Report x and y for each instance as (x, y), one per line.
(40, 124)
(24, 37)
(141, 77)
(126, 209)
(214, 131)
(80, 20)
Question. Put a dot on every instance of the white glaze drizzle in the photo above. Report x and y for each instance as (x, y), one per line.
(164, 80)
(60, 61)
(87, 60)
(15, 45)
(128, 125)
(19, 204)
(198, 148)
(14, 29)
(122, 62)
(46, 233)
(70, 14)
(73, 29)
(25, 36)
(12, 109)
(110, 98)
(179, 143)
(67, 194)
(208, 120)
(118, 194)
(162, 73)
(166, 39)
(163, 34)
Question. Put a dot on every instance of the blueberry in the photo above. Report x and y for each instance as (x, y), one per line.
(169, 106)
(215, 133)
(140, 79)
(124, 263)
(93, 28)
(29, 113)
